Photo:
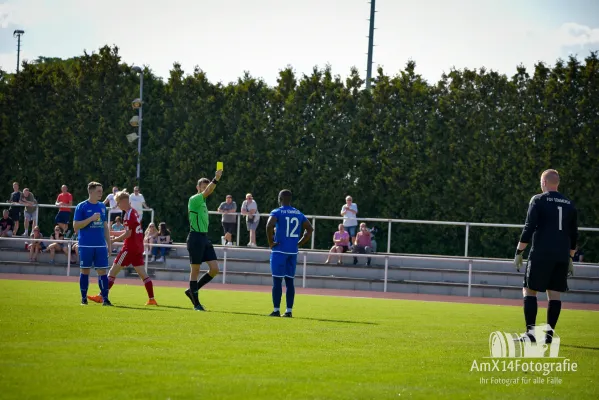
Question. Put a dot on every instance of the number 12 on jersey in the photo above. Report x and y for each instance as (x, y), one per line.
(292, 223)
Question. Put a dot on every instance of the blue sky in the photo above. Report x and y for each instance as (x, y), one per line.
(227, 37)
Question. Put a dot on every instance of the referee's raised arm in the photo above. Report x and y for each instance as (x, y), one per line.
(212, 185)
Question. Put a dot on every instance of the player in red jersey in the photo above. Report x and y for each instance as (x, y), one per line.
(131, 253)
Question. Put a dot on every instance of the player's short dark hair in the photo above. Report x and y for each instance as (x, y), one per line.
(92, 185)
(203, 180)
(285, 194)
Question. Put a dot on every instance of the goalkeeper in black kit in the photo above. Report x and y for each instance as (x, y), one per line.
(552, 227)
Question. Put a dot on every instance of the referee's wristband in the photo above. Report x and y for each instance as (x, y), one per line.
(214, 181)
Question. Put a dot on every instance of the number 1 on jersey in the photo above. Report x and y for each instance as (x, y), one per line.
(292, 221)
(560, 217)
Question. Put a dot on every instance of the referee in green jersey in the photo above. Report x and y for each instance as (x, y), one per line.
(199, 247)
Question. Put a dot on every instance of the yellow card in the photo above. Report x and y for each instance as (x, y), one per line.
(219, 165)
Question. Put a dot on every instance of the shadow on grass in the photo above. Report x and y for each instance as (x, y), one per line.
(188, 308)
(340, 321)
(573, 346)
(153, 308)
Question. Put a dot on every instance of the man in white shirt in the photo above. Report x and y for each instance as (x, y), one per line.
(110, 201)
(138, 202)
(349, 212)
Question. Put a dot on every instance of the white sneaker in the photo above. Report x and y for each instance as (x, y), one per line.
(160, 259)
(153, 259)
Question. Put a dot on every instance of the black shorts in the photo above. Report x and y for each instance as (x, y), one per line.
(63, 217)
(230, 227)
(15, 214)
(542, 275)
(200, 248)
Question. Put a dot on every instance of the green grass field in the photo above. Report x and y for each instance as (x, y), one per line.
(333, 348)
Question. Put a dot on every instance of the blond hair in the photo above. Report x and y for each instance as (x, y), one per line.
(123, 194)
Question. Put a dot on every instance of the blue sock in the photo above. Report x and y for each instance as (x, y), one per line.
(83, 285)
(277, 291)
(103, 283)
(290, 293)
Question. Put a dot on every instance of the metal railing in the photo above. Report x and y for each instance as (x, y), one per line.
(304, 254)
(38, 206)
(314, 218)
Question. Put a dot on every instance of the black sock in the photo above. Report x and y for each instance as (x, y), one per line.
(530, 311)
(193, 288)
(204, 280)
(553, 310)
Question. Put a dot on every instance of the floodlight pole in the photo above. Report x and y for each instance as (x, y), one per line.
(18, 34)
(370, 44)
(141, 92)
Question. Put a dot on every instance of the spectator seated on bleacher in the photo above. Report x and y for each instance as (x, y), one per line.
(7, 225)
(150, 236)
(54, 247)
(164, 237)
(36, 246)
(117, 226)
(116, 229)
(373, 232)
(363, 243)
(75, 250)
(341, 240)
(579, 255)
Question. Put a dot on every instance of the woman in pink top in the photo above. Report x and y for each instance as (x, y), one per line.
(341, 239)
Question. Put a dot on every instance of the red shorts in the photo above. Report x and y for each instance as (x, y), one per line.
(125, 258)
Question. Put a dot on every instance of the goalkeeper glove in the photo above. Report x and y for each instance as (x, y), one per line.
(571, 267)
(518, 259)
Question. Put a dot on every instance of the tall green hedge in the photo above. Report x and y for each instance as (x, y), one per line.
(467, 148)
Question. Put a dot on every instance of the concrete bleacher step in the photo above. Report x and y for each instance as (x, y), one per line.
(511, 278)
(179, 257)
(324, 282)
(405, 278)
(403, 273)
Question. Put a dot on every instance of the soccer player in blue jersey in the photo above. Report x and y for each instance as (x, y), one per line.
(91, 222)
(283, 232)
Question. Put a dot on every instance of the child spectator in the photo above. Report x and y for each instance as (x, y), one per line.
(164, 237)
(150, 236)
(118, 225)
(363, 243)
(341, 240)
(36, 245)
(54, 247)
